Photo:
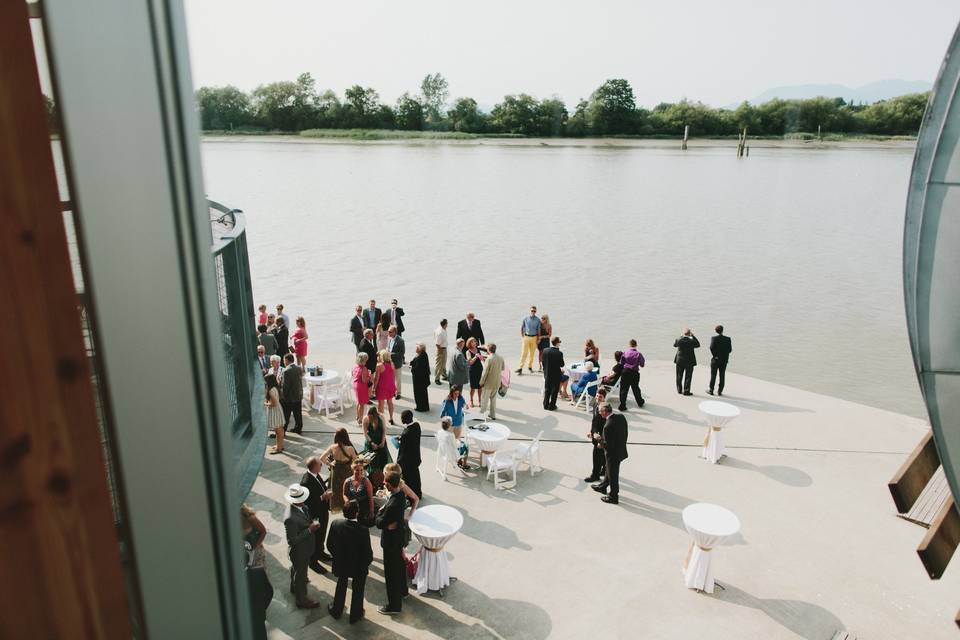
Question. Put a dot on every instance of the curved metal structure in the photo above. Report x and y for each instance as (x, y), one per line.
(244, 382)
(931, 262)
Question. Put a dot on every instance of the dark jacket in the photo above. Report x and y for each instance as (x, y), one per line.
(398, 320)
(269, 343)
(470, 332)
(615, 437)
(283, 341)
(317, 488)
(370, 349)
(392, 512)
(720, 348)
(291, 383)
(552, 361)
(409, 451)
(299, 537)
(596, 425)
(356, 328)
(398, 353)
(420, 370)
(371, 323)
(685, 345)
(349, 544)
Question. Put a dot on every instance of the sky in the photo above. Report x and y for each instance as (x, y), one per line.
(718, 52)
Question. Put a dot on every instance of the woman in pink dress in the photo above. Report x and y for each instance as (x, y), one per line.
(262, 318)
(300, 342)
(361, 379)
(385, 383)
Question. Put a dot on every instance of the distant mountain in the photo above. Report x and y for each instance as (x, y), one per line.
(867, 93)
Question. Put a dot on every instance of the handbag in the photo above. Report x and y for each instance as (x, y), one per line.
(412, 563)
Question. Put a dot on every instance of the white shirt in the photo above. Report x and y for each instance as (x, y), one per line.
(440, 337)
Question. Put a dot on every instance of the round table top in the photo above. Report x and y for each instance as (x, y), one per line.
(718, 408)
(710, 519)
(495, 434)
(436, 521)
(326, 376)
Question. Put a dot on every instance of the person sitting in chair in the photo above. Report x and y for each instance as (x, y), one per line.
(580, 385)
(447, 439)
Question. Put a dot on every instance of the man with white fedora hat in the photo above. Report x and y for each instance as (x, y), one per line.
(300, 529)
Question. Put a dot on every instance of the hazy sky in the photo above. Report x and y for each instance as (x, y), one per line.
(716, 51)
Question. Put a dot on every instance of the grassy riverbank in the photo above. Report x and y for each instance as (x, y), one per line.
(396, 134)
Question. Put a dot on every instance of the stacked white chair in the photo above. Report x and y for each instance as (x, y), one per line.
(446, 452)
(499, 462)
(529, 454)
(330, 399)
(346, 392)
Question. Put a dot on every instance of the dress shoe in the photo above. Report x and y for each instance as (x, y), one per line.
(530, 369)
(709, 392)
(396, 397)
(319, 568)
(437, 381)
(591, 478)
(719, 393)
(356, 618)
(622, 407)
(687, 393)
(680, 391)
(335, 616)
(599, 488)
(610, 500)
(309, 604)
(519, 372)
(387, 611)
(642, 402)
(297, 431)
(553, 407)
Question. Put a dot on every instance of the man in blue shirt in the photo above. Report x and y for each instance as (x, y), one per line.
(530, 335)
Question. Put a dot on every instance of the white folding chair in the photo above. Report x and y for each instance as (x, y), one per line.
(446, 453)
(585, 396)
(499, 462)
(346, 392)
(529, 454)
(330, 399)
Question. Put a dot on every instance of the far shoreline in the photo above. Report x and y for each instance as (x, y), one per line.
(626, 143)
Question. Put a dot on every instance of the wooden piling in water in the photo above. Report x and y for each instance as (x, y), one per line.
(686, 134)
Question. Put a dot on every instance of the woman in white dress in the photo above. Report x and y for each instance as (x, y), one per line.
(274, 413)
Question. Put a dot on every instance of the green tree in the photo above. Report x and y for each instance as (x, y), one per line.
(434, 92)
(516, 114)
(612, 109)
(223, 108)
(409, 113)
(361, 107)
(273, 105)
(897, 116)
(551, 117)
(329, 110)
(577, 123)
(466, 116)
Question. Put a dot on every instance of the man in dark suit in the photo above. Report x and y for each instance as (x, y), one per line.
(720, 348)
(396, 316)
(319, 506)
(390, 520)
(263, 359)
(349, 541)
(300, 540)
(552, 362)
(368, 347)
(408, 453)
(615, 452)
(596, 438)
(356, 327)
(282, 334)
(470, 328)
(398, 355)
(291, 393)
(371, 316)
(685, 360)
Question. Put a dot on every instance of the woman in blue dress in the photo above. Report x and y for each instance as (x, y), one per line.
(453, 407)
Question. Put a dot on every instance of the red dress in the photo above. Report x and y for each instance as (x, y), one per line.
(300, 342)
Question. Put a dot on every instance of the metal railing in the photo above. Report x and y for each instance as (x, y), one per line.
(244, 382)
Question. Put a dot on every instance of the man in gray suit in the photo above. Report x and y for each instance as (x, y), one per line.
(300, 541)
(398, 350)
(291, 393)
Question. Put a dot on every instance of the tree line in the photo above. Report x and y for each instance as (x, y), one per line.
(611, 110)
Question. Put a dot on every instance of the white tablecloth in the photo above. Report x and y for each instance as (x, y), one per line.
(487, 441)
(434, 526)
(314, 383)
(718, 415)
(710, 526)
(576, 371)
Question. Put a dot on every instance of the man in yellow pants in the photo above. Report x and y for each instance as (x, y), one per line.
(529, 334)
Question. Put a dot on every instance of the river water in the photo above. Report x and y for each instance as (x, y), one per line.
(795, 250)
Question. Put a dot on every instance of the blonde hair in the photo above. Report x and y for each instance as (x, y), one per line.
(545, 318)
(384, 356)
(246, 512)
(393, 467)
(362, 358)
(472, 342)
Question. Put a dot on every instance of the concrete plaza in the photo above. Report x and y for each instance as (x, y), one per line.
(820, 550)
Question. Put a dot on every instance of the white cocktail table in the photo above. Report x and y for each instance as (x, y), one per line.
(329, 376)
(434, 526)
(710, 526)
(488, 441)
(718, 415)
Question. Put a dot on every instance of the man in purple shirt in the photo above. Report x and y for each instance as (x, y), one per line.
(631, 362)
